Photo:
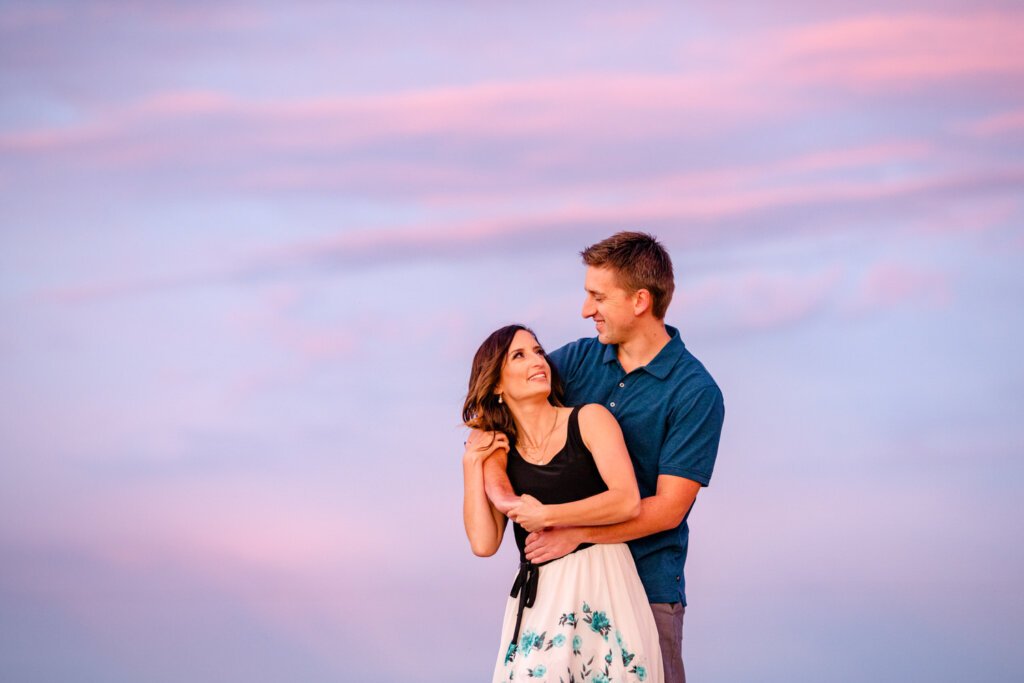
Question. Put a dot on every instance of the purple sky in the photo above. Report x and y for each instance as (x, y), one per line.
(248, 249)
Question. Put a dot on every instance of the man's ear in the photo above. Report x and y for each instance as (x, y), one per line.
(641, 302)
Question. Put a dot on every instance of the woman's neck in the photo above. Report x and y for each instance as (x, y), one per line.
(533, 419)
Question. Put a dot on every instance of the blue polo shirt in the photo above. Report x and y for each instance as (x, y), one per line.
(671, 414)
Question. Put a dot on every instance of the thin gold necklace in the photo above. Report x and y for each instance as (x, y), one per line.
(542, 447)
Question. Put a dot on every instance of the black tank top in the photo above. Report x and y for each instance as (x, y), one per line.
(570, 475)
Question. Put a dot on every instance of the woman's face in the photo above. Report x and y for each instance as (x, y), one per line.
(525, 371)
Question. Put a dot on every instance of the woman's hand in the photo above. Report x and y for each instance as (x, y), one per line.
(481, 445)
(529, 513)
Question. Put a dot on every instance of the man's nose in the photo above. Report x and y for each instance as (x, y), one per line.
(589, 309)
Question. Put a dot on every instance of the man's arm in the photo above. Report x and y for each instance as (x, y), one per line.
(496, 484)
(664, 510)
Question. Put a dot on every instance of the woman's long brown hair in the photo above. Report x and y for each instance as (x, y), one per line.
(481, 409)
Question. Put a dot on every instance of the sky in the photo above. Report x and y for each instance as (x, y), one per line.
(247, 251)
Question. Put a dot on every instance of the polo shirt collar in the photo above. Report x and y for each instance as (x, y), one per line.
(661, 364)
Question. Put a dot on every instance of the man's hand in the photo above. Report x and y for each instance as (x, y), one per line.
(551, 544)
(529, 513)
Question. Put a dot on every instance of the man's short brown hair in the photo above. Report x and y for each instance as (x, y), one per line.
(640, 262)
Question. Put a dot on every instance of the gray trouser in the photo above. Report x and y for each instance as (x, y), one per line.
(668, 616)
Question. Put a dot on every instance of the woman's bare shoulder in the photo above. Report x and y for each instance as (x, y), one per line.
(596, 416)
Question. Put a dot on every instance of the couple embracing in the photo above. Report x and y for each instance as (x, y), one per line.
(596, 452)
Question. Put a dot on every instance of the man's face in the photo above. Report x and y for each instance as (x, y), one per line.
(608, 304)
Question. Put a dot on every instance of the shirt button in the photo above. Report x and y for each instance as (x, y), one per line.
(622, 384)
(677, 578)
(612, 404)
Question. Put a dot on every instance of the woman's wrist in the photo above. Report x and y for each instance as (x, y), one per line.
(473, 458)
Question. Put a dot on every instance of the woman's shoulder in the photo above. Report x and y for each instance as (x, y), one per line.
(597, 426)
(594, 414)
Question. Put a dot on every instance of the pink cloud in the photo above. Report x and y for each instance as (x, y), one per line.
(861, 51)
(977, 215)
(199, 15)
(628, 18)
(758, 300)
(855, 157)
(637, 105)
(16, 17)
(703, 217)
(184, 103)
(889, 285)
(887, 51)
(998, 125)
(293, 556)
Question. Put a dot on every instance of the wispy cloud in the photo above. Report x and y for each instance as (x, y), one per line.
(887, 51)
(890, 285)
(691, 220)
(758, 300)
(998, 124)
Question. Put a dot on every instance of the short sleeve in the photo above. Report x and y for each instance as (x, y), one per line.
(691, 441)
(566, 360)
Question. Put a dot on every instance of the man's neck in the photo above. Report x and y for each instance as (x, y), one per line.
(640, 349)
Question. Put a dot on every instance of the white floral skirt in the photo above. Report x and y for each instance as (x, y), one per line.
(591, 623)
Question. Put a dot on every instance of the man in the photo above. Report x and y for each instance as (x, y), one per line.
(670, 411)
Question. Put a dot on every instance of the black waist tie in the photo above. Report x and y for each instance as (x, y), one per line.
(524, 588)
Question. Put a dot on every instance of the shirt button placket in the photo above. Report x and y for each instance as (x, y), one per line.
(611, 404)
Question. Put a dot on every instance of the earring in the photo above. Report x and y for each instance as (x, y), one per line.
(499, 399)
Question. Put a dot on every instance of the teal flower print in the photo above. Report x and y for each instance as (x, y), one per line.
(627, 656)
(569, 618)
(558, 641)
(577, 643)
(641, 673)
(608, 658)
(511, 653)
(599, 678)
(537, 672)
(530, 641)
(526, 643)
(599, 624)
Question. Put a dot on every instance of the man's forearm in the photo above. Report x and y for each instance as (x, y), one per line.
(496, 484)
(655, 515)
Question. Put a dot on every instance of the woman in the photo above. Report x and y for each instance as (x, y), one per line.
(585, 616)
